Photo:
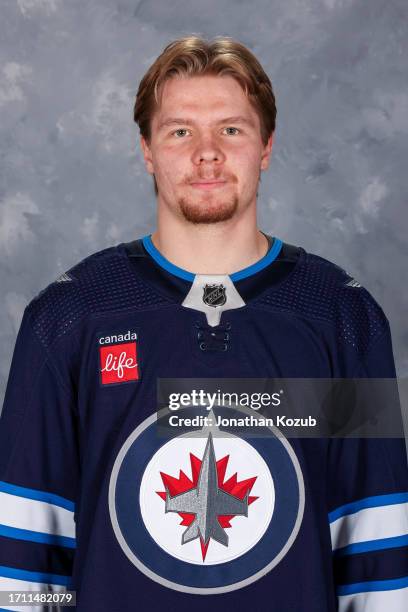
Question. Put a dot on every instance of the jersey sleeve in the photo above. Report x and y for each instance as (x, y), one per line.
(368, 510)
(39, 472)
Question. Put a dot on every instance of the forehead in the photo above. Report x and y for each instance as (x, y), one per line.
(202, 96)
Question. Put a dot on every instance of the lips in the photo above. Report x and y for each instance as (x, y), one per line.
(207, 181)
(210, 184)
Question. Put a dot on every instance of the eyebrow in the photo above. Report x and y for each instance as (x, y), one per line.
(185, 121)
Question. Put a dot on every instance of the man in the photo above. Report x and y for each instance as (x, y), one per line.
(92, 497)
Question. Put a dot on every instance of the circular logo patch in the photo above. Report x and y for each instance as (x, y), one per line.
(205, 514)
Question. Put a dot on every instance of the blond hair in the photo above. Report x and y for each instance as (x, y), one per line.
(193, 56)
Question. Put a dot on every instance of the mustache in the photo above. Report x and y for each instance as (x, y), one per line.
(211, 177)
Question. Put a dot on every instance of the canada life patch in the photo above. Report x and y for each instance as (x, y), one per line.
(118, 360)
(209, 513)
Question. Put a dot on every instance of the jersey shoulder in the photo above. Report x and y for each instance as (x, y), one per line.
(320, 290)
(102, 282)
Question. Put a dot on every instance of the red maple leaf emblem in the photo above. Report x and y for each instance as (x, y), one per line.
(233, 486)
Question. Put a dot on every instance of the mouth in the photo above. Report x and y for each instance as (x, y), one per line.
(206, 185)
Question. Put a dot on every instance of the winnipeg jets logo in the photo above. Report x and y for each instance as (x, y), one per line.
(209, 513)
(206, 504)
(214, 295)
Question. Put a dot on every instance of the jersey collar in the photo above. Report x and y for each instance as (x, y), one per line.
(164, 263)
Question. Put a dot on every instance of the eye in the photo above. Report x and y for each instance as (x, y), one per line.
(231, 130)
(178, 134)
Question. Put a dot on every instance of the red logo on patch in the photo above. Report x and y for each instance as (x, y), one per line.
(119, 363)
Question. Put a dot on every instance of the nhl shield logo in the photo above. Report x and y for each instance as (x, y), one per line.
(214, 295)
(208, 514)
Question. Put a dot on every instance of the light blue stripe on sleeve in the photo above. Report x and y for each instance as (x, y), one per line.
(36, 536)
(375, 585)
(368, 502)
(381, 544)
(19, 574)
(35, 494)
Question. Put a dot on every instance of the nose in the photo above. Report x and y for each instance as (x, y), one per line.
(207, 149)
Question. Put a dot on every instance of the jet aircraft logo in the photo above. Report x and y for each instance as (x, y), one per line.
(206, 503)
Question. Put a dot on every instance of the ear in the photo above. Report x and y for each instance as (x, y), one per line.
(266, 153)
(147, 154)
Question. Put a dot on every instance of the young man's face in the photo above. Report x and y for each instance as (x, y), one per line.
(206, 150)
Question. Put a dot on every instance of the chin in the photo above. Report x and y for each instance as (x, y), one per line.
(199, 212)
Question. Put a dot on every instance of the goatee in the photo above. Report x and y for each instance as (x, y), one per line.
(208, 212)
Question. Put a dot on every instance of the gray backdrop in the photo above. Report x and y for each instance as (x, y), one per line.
(72, 179)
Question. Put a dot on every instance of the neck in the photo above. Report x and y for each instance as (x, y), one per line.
(219, 248)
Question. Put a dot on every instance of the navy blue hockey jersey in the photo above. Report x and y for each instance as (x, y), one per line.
(92, 499)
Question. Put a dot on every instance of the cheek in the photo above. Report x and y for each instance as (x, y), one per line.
(245, 154)
(246, 164)
(168, 164)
